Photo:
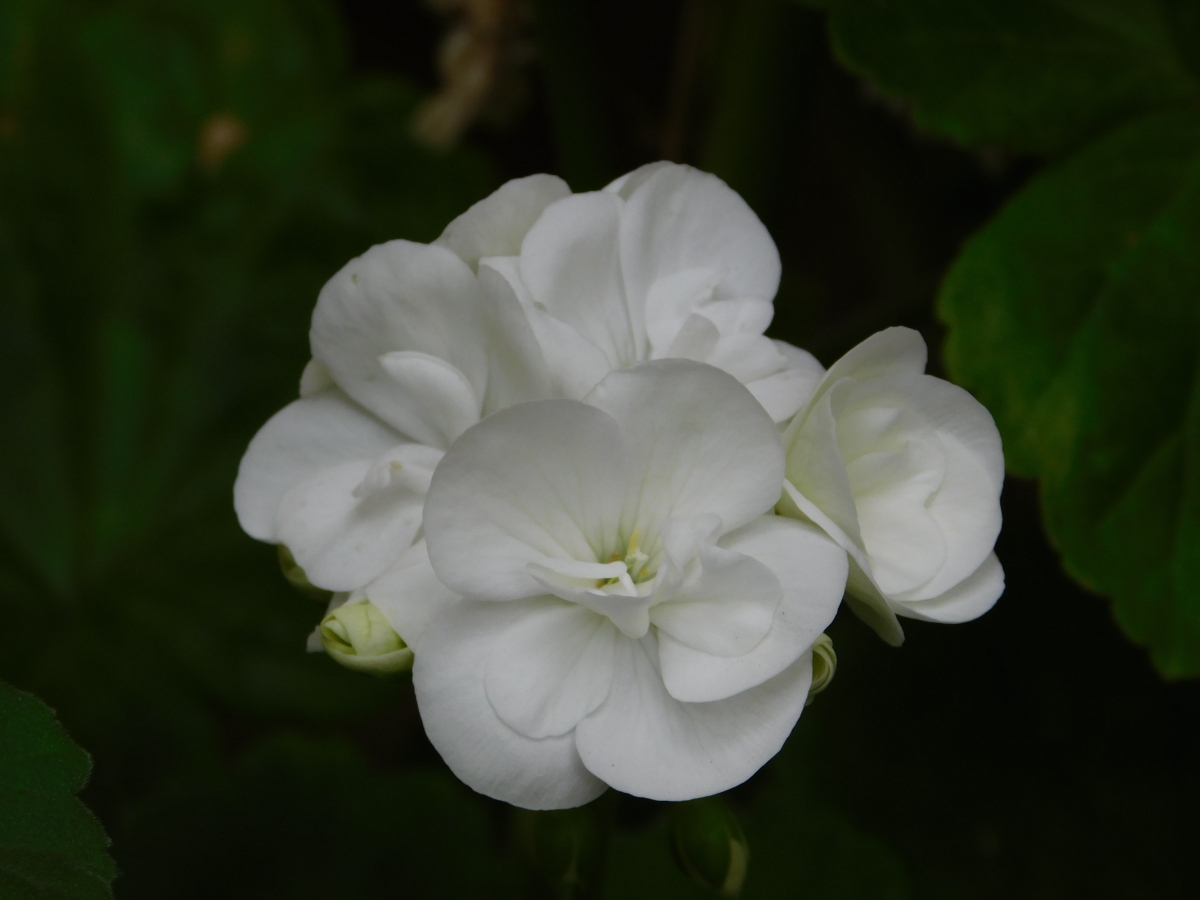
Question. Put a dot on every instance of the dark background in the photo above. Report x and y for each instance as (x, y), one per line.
(1032, 753)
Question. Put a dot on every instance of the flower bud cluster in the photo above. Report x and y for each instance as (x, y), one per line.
(552, 463)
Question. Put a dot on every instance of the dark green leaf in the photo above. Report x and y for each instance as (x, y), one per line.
(1075, 316)
(1040, 76)
(51, 847)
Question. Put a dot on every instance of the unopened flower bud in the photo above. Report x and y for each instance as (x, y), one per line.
(563, 851)
(824, 664)
(709, 845)
(296, 578)
(360, 638)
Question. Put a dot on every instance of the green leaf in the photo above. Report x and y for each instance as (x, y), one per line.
(51, 847)
(1075, 316)
(1038, 76)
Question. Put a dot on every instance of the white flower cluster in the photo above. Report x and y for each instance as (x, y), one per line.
(608, 518)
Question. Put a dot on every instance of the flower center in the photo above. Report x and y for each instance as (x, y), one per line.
(637, 569)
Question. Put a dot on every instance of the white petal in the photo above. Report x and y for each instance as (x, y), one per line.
(782, 394)
(574, 365)
(314, 379)
(551, 668)
(925, 416)
(697, 339)
(631, 181)
(478, 747)
(802, 360)
(516, 366)
(969, 599)
(410, 596)
(682, 537)
(816, 469)
(406, 465)
(496, 225)
(624, 607)
(812, 570)
(570, 263)
(747, 357)
(951, 411)
(785, 393)
(299, 441)
(701, 441)
(542, 480)
(644, 742)
(967, 511)
(795, 505)
(902, 539)
(724, 608)
(671, 300)
(343, 541)
(677, 219)
(509, 268)
(400, 296)
(967, 505)
(438, 393)
(741, 315)
(892, 352)
(865, 602)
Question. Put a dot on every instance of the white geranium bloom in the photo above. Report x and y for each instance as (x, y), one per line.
(904, 471)
(631, 616)
(665, 262)
(412, 344)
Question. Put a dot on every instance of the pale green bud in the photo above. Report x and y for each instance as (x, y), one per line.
(824, 664)
(360, 638)
(709, 845)
(296, 578)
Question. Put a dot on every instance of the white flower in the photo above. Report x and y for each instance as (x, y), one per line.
(632, 617)
(904, 471)
(665, 262)
(411, 347)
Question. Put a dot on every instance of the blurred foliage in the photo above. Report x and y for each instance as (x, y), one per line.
(1036, 76)
(299, 818)
(177, 180)
(1075, 315)
(50, 845)
(179, 177)
(798, 847)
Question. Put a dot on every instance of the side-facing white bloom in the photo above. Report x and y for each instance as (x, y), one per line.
(904, 471)
(633, 615)
(666, 262)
